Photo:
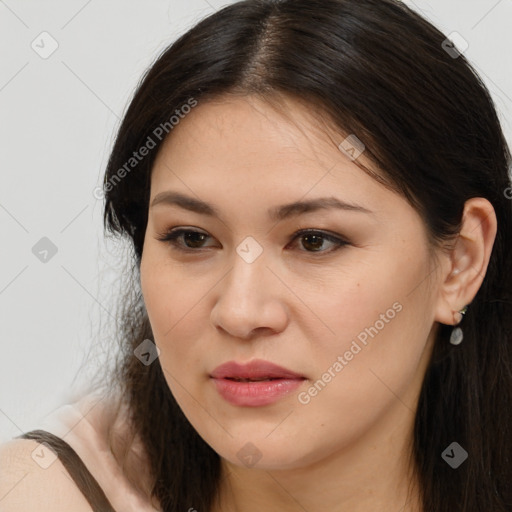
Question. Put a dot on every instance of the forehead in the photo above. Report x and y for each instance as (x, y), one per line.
(244, 136)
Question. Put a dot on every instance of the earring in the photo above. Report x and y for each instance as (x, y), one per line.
(457, 336)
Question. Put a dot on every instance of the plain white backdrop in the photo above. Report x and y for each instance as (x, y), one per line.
(68, 69)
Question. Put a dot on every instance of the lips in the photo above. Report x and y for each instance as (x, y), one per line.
(256, 370)
(254, 384)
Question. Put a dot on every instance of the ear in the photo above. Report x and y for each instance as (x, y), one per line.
(464, 267)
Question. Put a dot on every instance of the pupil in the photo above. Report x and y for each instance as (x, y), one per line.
(315, 238)
(189, 237)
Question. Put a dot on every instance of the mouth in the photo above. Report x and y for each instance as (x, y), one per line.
(254, 371)
(254, 384)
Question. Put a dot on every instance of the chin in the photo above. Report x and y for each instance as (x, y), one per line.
(266, 455)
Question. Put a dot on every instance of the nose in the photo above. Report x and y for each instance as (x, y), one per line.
(250, 301)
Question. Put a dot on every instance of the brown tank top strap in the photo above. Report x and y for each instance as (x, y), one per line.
(75, 467)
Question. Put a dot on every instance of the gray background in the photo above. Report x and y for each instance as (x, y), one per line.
(58, 118)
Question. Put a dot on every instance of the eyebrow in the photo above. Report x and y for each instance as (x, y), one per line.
(276, 213)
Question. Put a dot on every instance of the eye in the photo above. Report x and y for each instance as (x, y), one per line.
(187, 236)
(314, 240)
(188, 240)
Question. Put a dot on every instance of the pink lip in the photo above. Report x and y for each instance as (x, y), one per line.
(254, 393)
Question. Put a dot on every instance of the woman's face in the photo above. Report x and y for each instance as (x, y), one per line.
(350, 316)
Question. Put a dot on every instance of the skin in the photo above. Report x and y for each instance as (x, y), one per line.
(347, 449)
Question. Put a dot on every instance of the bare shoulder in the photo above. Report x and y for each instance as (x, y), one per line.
(33, 478)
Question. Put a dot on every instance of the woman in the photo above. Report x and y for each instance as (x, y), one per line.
(316, 197)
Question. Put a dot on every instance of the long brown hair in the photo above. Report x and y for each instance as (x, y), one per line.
(376, 69)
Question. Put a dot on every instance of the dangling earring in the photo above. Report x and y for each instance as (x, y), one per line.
(457, 336)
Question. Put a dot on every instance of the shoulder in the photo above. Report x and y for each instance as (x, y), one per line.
(33, 478)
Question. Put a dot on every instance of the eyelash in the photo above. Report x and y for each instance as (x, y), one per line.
(171, 237)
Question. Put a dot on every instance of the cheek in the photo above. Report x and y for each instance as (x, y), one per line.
(375, 361)
(166, 297)
(173, 305)
(379, 318)
(170, 306)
